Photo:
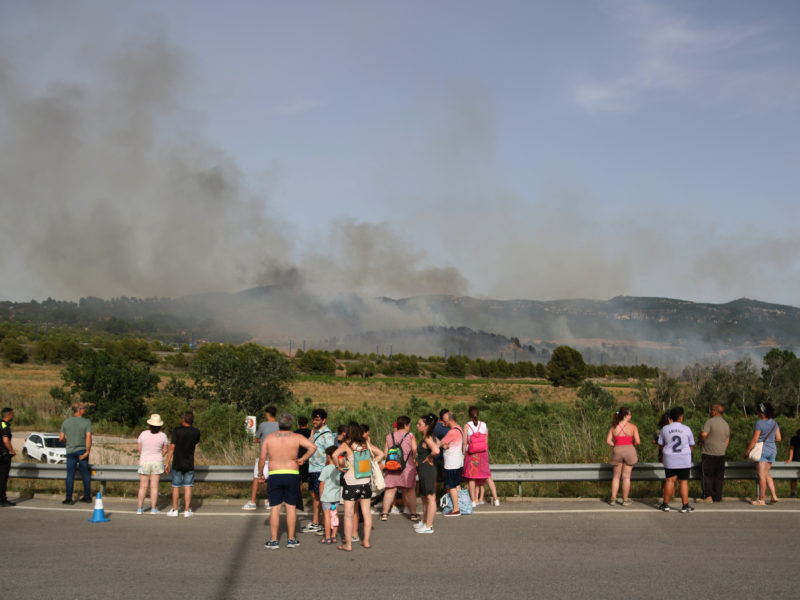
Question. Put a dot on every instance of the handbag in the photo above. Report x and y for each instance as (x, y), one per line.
(376, 480)
(755, 454)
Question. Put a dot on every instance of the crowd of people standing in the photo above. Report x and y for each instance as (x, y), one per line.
(345, 468)
(676, 442)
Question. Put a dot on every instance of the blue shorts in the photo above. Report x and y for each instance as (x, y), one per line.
(452, 478)
(182, 478)
(313, 482)
(768, 456)
(283, 487)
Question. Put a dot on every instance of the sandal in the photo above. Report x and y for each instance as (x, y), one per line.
(415, 517)
(384, 516)
(757, 502)
(326, 541)
(772, 501)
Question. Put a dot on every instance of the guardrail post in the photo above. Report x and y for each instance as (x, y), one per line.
(519, 489)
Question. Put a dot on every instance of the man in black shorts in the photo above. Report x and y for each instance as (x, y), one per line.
(283, 485)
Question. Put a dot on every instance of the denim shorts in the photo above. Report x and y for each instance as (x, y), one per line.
(768, 456)
(182, 478)
(332, 506)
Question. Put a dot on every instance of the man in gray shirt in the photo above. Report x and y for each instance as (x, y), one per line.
(714, 441)
(267, 427)
(77, 433)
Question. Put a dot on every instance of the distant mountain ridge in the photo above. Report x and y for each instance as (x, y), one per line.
(622, 330)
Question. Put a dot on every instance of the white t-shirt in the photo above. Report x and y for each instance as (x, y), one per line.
(471, 428)
(677, 441)
(453, 457)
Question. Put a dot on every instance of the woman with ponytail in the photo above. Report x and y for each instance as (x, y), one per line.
(622, 436)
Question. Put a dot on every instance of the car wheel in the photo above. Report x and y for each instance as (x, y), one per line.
(43, 458)
(25, 452)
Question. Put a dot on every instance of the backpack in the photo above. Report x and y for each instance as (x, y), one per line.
(464, 503)
(362, 464)
(477, 441)
(395, 459)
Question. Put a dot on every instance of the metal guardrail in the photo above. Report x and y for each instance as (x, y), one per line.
(519, 473)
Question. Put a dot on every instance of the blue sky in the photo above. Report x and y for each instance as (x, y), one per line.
(508, 149)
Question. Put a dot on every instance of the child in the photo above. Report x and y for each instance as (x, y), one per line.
(677, 441)
(330, 493)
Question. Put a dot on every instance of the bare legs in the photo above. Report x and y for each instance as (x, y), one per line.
(765, 480)
(428, 509)
(669, 489)
(275, 520)
(388, 499)
(626, 481)
(187, 497)
(153, 481)
(615, 481)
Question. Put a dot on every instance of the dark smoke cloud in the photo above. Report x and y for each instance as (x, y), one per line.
(109, 187)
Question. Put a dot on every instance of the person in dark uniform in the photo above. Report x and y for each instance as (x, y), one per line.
(6, 453)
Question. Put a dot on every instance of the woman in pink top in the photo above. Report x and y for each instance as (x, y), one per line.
(622, 436)
(153, 445)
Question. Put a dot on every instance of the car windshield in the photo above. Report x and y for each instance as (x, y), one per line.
(52, 442)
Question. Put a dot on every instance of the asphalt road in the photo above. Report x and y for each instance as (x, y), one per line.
(536, 549)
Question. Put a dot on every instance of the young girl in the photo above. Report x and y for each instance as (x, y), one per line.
(426, 471)
(330, 492)
(356, 489)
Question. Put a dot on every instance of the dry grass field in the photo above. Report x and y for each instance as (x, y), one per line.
(386, 392)
(28, 385)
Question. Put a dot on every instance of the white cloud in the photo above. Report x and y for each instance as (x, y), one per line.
(672, 53)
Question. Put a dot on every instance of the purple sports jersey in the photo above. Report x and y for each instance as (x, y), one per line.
(677, 441)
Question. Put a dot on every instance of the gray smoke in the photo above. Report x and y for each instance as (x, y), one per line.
(108, 187)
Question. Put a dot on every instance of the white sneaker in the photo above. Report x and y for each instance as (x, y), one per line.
(425, 530)
(172, 513)
(394, 511)
(249, 506)
(495, 502)
(266, 504)
(419, 525)
(188, 513)
(474, 504)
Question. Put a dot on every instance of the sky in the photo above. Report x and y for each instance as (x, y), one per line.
(511, 150)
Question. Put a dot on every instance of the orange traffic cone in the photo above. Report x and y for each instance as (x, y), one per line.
(99, 515)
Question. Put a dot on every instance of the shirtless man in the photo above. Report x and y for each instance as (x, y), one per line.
(283, 485)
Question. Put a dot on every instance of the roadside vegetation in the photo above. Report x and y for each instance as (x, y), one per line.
(557, 412)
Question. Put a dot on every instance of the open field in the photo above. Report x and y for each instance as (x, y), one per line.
(29, 385)
(338, 392)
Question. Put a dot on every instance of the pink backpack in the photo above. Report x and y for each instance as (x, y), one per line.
(477, 441)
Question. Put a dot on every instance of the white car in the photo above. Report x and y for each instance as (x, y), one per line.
(45, 447)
